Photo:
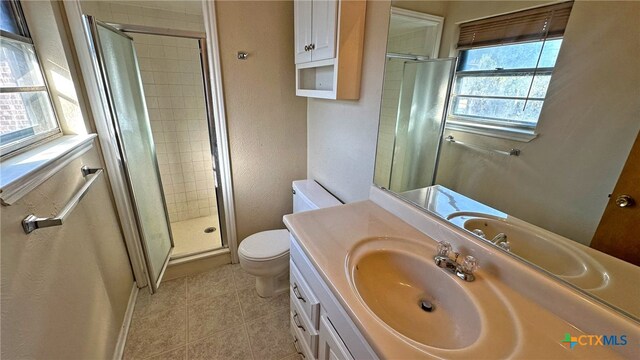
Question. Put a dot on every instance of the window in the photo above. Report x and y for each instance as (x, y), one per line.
(26, 112)
(504, 69)
(504, 85)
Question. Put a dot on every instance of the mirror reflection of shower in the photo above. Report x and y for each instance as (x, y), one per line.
(414, 38)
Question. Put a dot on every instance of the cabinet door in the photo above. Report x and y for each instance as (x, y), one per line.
(302, 22)
(323, 32)
(331, 345)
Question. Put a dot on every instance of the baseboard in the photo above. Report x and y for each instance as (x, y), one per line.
(126, 322)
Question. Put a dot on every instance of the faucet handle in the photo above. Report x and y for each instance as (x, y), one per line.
(470, 264)
(444, 248)
(505, 246)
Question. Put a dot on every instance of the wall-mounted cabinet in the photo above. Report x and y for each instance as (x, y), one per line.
(329, 38)
(315, 23)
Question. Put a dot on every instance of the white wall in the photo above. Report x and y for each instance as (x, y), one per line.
(64, 290)
(342, 134)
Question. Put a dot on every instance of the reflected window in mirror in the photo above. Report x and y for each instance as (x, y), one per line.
(504, 69)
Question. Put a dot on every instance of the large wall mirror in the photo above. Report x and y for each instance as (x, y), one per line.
(518, 121)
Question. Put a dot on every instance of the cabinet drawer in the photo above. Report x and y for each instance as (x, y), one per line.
(301, 346)
(302, 295)
(305, 330)
(331, 345)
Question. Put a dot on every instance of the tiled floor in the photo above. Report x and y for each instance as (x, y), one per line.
(212, 315)
(189, 236)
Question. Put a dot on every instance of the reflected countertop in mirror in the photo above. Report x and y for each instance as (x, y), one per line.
(579, 265)
(559, 200)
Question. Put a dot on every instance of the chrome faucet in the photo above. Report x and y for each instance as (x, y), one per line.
(500, 238)
(480, 233)
(501, 241)
(464, 271)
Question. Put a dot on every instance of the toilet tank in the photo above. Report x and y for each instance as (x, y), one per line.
(309, 195)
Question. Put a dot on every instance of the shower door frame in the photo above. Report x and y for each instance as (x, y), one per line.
(105, 90)
(202, 43)
(445, 113)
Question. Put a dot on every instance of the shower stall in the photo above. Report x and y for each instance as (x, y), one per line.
(414, 101)
(419, 122)
(153, 84)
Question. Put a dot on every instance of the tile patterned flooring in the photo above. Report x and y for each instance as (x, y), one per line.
(212, 315)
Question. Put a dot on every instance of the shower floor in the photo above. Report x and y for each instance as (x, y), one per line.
(189, 236)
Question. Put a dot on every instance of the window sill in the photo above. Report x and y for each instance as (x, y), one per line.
(521, 135)
(24, 172)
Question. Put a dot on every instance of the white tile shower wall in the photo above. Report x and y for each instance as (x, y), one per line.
(406, 43)
(172, 81)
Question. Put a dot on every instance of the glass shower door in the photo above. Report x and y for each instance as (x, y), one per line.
(123, 93)
(420, 122)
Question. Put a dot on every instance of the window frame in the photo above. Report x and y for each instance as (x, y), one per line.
(25, 37)
(495, 126)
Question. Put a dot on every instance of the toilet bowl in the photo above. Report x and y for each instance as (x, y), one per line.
(265, 255)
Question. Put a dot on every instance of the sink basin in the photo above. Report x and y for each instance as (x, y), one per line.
(395, 295)
(393, 276)
(532, 247)
(551, 252)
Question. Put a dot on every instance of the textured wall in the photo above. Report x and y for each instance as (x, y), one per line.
(266, 121)
(342, 134)
(64, 290)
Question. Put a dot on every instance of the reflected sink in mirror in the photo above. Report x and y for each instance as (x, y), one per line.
(560, 257)
(400, 284)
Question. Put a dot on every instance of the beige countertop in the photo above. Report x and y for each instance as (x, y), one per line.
(512, 326)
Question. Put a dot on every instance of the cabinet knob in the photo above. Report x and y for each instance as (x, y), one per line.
(312, 46)
(625, 201)
(306, 48)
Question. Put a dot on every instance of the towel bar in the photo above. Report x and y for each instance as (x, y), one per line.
(32, 222)
(510, 152)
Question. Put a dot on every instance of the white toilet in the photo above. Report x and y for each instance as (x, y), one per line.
(266, 254)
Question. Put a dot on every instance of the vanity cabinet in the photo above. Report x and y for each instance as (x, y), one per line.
(331, 345)
(329, 39)
(319, 325)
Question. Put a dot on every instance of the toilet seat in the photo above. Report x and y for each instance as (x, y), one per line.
(265, 245)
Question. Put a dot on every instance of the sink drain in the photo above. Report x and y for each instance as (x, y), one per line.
(209, 230)
(426, 305)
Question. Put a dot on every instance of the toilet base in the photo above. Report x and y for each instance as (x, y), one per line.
(268, 286)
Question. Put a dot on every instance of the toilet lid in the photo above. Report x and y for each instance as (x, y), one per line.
(265, 245)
